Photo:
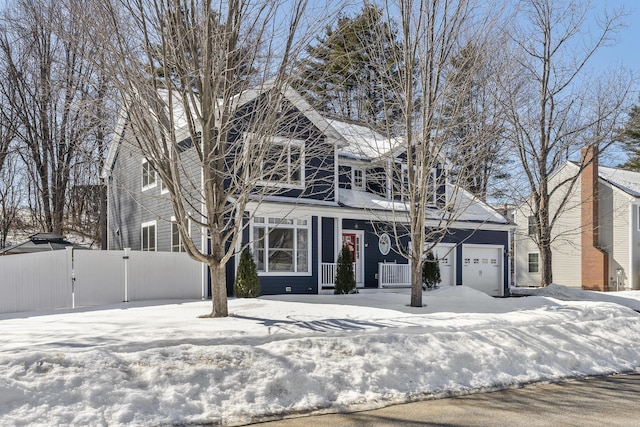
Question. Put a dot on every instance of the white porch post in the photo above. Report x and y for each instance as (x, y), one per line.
(338, 243)
(319, 248)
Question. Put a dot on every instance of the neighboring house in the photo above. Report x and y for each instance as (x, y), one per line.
(596, 242)
(338, 195)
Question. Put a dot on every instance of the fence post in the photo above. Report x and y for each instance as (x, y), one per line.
(127, 252)
(71, 268)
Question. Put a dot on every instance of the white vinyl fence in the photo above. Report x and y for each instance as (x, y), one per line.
(75, 278)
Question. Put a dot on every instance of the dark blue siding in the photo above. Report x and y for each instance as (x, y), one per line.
(372, 255)
(377, 181)
(328, 240)
(344, 177)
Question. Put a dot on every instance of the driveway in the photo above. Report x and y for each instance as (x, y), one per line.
(610, 401)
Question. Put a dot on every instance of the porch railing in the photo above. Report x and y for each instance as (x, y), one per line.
(328, 273)
(390, 275)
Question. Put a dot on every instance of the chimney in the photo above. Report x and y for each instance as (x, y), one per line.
(595, 262)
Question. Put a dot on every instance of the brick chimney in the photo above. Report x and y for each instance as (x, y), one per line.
(595, 262)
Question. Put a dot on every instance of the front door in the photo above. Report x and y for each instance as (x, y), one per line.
(354, 239)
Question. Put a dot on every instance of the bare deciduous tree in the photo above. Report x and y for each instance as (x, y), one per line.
(433, 34)
(184, 68)
(47, 89)
(556, 107)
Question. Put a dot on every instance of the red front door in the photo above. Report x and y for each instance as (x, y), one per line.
(349, 240)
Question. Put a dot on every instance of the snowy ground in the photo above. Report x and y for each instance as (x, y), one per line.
(161, 364)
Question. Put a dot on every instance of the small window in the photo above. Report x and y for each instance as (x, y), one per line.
(638, 217)
(532, 226)
(148, 175)
(149, 237)
(176, 238)
(358, 178)
(534, 263)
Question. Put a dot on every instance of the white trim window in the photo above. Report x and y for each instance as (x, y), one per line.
(148, 175)
(281, 245)
(177, 245)
(638, 217)
(148, 236)
(283, 163)
(533, 262)
(532, 225)
(358, 178)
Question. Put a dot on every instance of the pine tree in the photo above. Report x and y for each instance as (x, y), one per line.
(350, 71)
(345, 282)
(430, 272)
(630, 138)
(247, 284)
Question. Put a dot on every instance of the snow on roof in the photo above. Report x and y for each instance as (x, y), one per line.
(362, 141)
(627, 181)
(467, 207)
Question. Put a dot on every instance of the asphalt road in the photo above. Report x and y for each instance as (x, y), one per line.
(599, 402)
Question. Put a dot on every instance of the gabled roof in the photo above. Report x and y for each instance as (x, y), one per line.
(245, 97)
(363, 142)
(625, 180)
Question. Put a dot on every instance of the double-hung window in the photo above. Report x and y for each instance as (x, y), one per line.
(148, 175)
(281, 245)
(177, 244)
(148, 236)
(283, 162)
(534, 262)
(532, 225)
(357, 178)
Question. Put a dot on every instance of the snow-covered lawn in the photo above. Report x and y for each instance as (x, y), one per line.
(146, 364)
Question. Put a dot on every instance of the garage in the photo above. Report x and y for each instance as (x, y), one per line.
(482, 268)
(446, 254)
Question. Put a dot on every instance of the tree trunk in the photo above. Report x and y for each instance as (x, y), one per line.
(416, 282)
(546, 269)
(217, 270)
(218, 289)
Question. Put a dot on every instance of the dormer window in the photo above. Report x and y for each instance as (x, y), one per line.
(357, 179)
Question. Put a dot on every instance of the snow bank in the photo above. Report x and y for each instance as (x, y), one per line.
(161, 364)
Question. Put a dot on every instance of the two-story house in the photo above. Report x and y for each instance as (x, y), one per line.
(596, 241)
(340, 194)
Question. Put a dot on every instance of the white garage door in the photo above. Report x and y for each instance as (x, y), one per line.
(446, 254)
(482, 268)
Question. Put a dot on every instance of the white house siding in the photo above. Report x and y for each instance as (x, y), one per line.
(633, 276)
(566, 244)
(616, 236)
(615, 232)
